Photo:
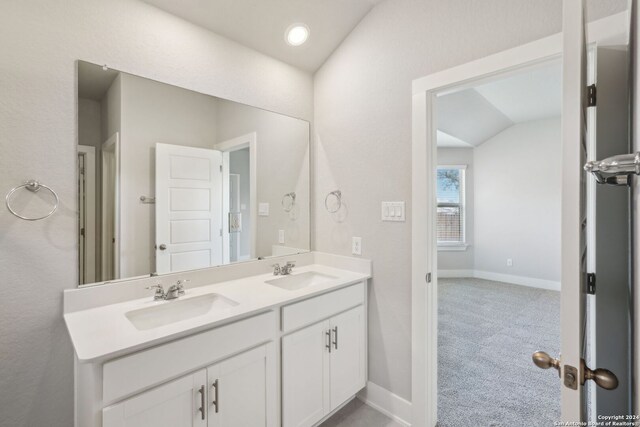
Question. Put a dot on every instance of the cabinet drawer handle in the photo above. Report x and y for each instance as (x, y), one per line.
(328, 345)
(335, 337)
(215, 395)
(202, 402)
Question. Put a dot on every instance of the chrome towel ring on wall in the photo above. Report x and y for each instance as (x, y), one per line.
(33, 186)
(288, 200)
(333, 201)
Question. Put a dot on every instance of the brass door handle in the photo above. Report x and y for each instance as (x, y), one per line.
(603, 377)
(543, 361)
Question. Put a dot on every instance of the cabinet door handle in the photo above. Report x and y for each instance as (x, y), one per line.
(202, 402)
(328, 345)
(335, 337)
(215, 387)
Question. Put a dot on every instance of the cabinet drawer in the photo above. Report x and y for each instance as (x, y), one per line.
(321, 307)
(131, 374)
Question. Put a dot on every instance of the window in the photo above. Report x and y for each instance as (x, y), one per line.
(450, 212)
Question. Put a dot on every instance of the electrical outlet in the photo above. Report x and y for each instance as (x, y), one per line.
(280, 236)
(509, 262)
(356, 246)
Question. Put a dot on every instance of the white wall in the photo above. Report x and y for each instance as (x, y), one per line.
(517, 201)
(460, 260)
(40, 41)
(362, 137)
(282, 145)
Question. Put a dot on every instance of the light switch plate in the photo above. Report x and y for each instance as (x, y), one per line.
(393, 211)
(280, 236)
(356, 246)
(263, 209)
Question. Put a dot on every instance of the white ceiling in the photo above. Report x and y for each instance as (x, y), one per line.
(261, 24)
(471, 116)
(94, 81)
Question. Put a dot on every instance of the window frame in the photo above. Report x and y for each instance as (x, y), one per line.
(462, 245)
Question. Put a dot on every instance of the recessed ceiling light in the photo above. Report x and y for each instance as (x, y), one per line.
(296, 34)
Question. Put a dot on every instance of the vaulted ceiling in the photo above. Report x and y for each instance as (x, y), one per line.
(469, 117)
(261, 24)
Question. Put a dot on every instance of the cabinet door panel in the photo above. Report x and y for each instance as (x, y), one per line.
(175, 404)
(305, 371)
(241, 396)
(347, 355)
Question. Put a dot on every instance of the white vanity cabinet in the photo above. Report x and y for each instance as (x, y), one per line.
(230, 393)
(324, 364)
(179, 403)
(241, 391)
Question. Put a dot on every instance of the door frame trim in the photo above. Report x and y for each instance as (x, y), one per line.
(424, 306)
(248, 140)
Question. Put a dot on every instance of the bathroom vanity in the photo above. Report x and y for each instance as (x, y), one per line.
(241, 347)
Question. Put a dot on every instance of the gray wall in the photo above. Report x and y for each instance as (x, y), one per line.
(152, 113)
(40, 42)
(517, 201)
(239, 162)
(282, 145)
(362, 137)
(460, 260)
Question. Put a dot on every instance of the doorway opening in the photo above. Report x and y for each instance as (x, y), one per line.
(498, 247)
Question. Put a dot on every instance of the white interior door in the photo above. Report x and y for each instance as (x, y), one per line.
(180, 403)
(305, 376)
(238, 391)
(347, 355)
(573, 234)
(188, 208)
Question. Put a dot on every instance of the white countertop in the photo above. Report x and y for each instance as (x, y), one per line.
(103, 333)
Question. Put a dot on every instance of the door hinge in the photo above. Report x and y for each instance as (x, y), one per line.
(591, 283)
(428, 278)
(591, 95)
(220, 168)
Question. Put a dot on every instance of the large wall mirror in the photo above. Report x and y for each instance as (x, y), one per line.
(172, 180)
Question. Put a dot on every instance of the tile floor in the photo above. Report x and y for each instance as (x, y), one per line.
(357, 414)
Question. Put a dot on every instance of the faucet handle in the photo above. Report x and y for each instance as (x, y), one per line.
(181, 284)
(159, 293)
(276, 269)
(290, 264)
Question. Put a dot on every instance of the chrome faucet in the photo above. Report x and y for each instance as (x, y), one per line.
(174, 291)
(286, 270)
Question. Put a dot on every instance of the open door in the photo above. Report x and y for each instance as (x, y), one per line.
(188, 208)
(576, 100)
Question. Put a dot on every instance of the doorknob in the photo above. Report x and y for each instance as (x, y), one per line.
(544, 361)
(603, 377)
(163, 247)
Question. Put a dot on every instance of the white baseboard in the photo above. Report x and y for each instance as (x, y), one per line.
(455, 273)
(383, 401)
(498, 277)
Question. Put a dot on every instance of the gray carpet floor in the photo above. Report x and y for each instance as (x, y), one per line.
(486, 334)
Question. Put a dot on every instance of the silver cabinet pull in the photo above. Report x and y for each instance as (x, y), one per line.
(202, 402)
(328, 345)
(335, 337)
(215, 387)
(162, 247)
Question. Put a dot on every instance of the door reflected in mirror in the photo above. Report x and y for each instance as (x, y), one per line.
(173, 180)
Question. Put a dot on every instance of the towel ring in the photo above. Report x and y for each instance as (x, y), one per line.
(288, 200)
(337, 194)
(33, 186)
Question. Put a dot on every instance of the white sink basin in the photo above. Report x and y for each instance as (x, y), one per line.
(173, 311)
(300, 280)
